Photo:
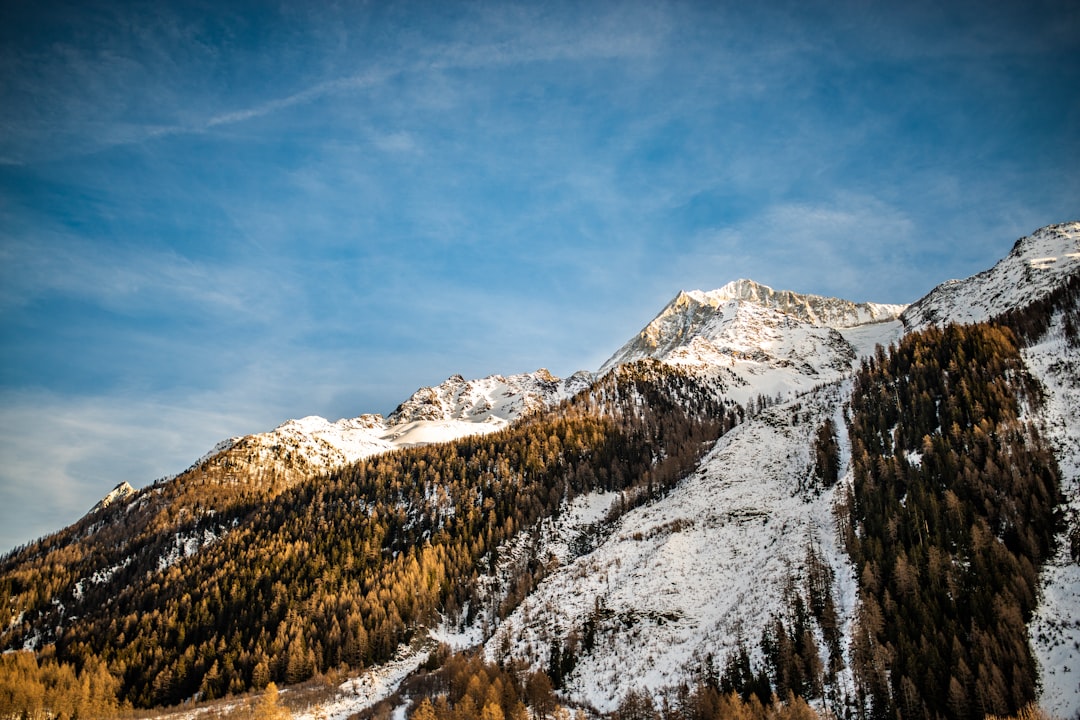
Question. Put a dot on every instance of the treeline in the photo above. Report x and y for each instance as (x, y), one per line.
(465, 687)
(949, 518)
(792, 664)
(339, 570)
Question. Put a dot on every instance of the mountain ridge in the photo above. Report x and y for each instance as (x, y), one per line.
(677, 586)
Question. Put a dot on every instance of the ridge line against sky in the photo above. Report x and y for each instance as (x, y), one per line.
(217, 216)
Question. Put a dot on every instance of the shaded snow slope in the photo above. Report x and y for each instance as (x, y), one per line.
(1055, 629)
(695, 572)
(1035, 267)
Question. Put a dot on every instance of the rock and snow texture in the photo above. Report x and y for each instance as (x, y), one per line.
(813, 309)
(118, 493)
(761, 341)
(693, 573)
(1035, 267)
(455, 409)
(495, 399)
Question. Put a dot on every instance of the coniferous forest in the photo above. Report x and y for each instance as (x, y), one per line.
(950, 516)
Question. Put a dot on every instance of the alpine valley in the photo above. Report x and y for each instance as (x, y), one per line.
(766, 505)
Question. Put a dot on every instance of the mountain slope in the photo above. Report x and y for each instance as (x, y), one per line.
(1034, 289)
(454, 409)
(688, 579)
(132, 533)
(590, 527)
(1037, 265)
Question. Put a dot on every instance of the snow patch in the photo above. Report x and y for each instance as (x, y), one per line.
(1055, 628)
(361, 692)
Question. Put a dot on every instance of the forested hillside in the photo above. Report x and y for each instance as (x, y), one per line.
(340, 569)
(950, 516)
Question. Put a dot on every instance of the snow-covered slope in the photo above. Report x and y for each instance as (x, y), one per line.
(1055, 630)
(496, 399)
(1035, 267)
(697, 572)
(705, 317)
(708, 566)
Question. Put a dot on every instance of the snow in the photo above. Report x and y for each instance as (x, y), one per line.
(123, 491)
(187, 545)
(758, 341)
(362, 691)
(1055, 629)
(865, 338)
(815, 309)
(495, 398)
(735, 320)
(1035, 266)
(455, 409)
(697, 571)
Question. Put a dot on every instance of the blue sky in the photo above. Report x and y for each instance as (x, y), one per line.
(217, 216)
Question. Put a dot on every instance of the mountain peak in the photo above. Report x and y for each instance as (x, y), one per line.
(120, 492)
(1037, 265)
(495, 399)
(814, 309)
(695, 316)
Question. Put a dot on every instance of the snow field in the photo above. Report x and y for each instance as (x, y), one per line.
(694, 573)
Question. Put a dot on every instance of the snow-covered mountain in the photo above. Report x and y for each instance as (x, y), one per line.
(686, 580)
(298, 448)
(1036, 266)
(706, 568)
(496, 399)
(761, 341)
(454, 409)
(696, 573)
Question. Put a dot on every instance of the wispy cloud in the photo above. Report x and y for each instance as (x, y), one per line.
(130, 279)
(848, 247)
(62, 454)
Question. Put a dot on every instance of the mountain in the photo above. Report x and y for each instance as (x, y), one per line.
(454, 409)
(762, 491)
(759, 341)
(707, 569)
(1036, 266)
